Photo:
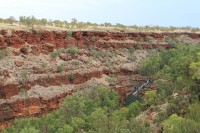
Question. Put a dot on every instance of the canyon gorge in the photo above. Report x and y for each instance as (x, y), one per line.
(41, 68)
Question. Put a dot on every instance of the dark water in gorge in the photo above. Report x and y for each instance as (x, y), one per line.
(133, 96)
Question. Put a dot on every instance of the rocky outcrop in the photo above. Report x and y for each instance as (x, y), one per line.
(30, 79)
(19, 63)
(37, 101)
(12, 89)
(28, 107)
(48, 40)
(125, 84)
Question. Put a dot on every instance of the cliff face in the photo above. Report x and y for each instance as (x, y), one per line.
(33, 83)
(46, 41)
(18, 39)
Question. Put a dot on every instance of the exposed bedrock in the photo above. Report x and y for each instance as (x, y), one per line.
(38, 100)
(45, 41)
(30, 84)
(11, 89)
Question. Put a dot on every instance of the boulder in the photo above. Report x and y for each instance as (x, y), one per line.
(65, 57)
(35, 50)
(15, 41)
(19, 63)
(48, 47)
(16, 52)
(24, 50)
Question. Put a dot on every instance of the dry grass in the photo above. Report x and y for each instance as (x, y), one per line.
(87, 28)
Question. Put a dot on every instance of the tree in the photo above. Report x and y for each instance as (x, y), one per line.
(193, 112)
(150, 97)
(120, 25)
(22, 20)
(43, 21)
(11, 20)
(134, 109)
(77, 123)
(177, 124)
(106, 24)
(74, 106)
(195, 68)
(73, 50)
(171, 123)
(29, 130)
(109, 99)
(137, 126)
(65, 129)
(151, 65)
(28, 21)
(74, 21)
(57, 23)
(1, 20)
(118, 121)
(98, 121)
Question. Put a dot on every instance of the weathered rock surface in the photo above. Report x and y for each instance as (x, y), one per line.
(49, 40)
(19, 63)
(33, 83)
(40, 100)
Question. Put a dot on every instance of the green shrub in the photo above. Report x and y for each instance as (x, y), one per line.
(60, 68)
(71, 77)
(171, 41)
(150, 65)
(131, 50)
(132, 57)
(160, 117)
(54, 54)
(178, 124)
(75, 63)
(61, 50)
(148, 39)
(73, 50)
(112, 80)
(124, 50)
(150, 97)
(43, 65)
(134, 109)
(24, 74)
(69, 34)
(4, 53)
(22, 91)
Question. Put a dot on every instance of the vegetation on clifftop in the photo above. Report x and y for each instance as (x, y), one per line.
(33, 22)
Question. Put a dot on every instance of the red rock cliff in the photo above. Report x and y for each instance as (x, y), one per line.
(27, 44)
(19, 39)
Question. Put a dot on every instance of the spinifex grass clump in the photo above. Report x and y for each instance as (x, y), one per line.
(4, 53)
(73, 50)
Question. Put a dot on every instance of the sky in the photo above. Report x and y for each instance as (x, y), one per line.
(177, 13)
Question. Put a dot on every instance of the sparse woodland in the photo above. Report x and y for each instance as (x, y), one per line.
(32, 22)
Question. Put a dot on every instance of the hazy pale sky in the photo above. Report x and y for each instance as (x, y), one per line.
(127, 12)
